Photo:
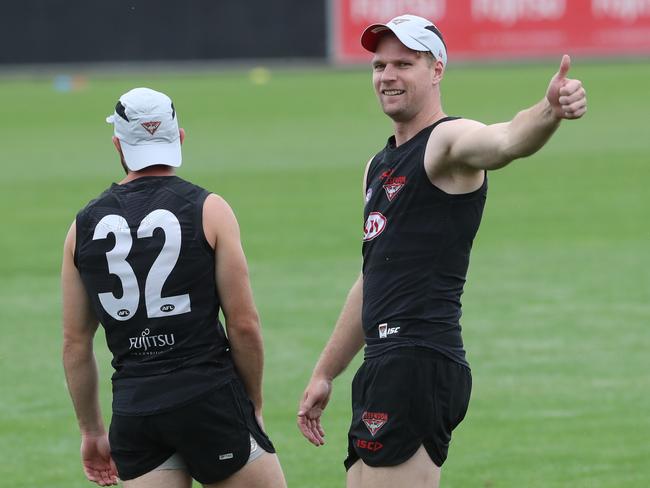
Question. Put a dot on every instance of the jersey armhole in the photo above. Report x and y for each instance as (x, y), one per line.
(200, 231)
(75, 254)
(368, 171)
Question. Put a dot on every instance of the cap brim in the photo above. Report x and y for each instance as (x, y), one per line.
(371, 36)
(144, 155)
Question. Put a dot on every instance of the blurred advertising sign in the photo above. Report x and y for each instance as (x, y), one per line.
(504, 29)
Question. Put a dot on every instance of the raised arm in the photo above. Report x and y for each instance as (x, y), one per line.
(79, 327)
(236, 296)
(480, 146)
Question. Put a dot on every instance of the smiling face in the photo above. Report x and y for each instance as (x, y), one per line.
(405, 81)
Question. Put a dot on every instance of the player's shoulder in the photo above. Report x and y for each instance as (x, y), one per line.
(443, 138)
(456, 126)
(215, 201)
(218, 218)
(446, 134)
(70, 238)
(217, 210)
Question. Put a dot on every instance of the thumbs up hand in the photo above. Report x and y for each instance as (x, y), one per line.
(567, 97)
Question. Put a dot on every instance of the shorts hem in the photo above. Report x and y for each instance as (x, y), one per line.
(396, 461)
(142, 470)
(434, 457)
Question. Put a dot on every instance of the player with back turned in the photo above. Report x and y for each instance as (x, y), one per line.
(424, 197)
(154, 259)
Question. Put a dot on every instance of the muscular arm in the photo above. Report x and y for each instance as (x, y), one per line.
(80, 366)
(347, 338)
(479, 146)
(343, 345)
(236, 297)
(79, 327)
(494, 146)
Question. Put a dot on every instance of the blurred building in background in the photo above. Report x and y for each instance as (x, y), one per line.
(81, 31)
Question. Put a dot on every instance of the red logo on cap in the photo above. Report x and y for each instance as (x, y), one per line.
(151, 127)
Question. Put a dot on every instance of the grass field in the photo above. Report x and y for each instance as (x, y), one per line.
(556, 310)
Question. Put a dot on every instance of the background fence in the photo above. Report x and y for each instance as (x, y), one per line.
(54, 31)
(43, 31)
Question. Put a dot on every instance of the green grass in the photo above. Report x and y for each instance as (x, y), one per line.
(557, 305)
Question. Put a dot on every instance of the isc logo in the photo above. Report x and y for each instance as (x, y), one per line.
(385, 331)
(373, 446)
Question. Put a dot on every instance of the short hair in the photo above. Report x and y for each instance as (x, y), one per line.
(431, 59)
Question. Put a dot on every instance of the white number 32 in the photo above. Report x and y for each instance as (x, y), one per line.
(125, 307)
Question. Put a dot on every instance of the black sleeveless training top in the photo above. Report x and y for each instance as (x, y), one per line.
(416, 247)
(149, 273)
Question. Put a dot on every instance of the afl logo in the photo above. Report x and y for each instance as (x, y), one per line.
(123, 313)
(374, 226)
(168, 307)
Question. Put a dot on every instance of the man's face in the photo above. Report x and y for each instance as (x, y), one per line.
(403, 79)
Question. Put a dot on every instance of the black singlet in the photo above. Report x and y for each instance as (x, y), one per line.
(417, 242)
(149, 273)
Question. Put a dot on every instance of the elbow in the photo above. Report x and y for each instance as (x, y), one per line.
(244, 326)
(75, 349)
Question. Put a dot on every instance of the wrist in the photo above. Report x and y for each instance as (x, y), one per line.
(319, 375)
(550, 111)
(94, 432)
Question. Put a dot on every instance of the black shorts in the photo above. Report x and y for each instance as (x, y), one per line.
(403, 399)
(212, 435)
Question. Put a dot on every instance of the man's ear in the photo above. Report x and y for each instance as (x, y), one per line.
(437, 72)
(118, 146)
(181, 132)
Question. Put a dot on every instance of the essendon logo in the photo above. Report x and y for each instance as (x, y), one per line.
(374, 421)
(392, 184)
(151, 127)
(375, 225)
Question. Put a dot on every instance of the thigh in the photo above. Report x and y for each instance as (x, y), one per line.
(417, 472)
(263, 472)
(174, 478)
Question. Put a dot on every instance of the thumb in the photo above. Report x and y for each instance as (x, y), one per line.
(306, 404)
(565, 65)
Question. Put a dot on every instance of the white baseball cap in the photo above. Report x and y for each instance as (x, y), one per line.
(145, 122)
(414, 32)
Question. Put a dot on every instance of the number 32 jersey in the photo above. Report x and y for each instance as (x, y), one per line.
(150, 275)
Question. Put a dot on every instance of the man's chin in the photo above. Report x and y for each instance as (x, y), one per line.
(396, 113)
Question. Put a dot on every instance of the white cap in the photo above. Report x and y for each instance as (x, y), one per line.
(414, 32)
(145, 122)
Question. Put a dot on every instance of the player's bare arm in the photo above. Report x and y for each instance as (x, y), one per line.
(236, 296)
(471, 145)
(346, 340)
(79, 327)
(339, 351)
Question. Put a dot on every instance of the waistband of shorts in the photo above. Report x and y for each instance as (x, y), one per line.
(413, 351)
